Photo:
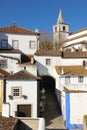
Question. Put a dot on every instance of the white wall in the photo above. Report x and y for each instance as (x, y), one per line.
(44, 69)
(23, 41)
(74, 84)
(14, 66)
(77, 38)
(72, 61)
(78, 107)
(29, 88)
(30, 68)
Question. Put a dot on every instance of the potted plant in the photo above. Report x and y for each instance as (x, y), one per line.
(10, 97)
(24, 96)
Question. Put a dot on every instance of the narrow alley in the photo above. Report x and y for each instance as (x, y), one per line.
(52, 114)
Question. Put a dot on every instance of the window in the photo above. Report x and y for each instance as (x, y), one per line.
(80, 79)
(47, 61)
(16, 92)
(32, 44)
(3, 63)
(55, 29)
(15, 44)
(63, 28)
(67, 80)
(4, 44)
(85, 63)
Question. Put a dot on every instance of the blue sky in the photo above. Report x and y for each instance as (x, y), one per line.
(43, 14)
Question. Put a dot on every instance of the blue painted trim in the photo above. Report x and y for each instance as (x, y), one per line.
(68, 125)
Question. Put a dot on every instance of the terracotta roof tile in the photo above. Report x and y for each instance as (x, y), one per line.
(3, 73)
(22, 75)
(71, 70)
(76, 54)
(48, 52)
(9, 51)
(7, 123)
(75, 91)
(17, 29)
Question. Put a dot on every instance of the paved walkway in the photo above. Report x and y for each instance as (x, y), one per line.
(52, 114)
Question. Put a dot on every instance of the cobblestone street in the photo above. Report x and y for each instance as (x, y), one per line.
(52, 114)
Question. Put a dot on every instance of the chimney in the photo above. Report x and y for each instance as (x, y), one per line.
(6, 110)
(32, 60)
(62, 71)
(36, 30)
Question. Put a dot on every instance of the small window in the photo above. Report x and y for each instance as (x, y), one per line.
(3, 63)
(55, 29)
(80, 79)
(67, 80)
(15, 44)
(4, 44)
(16, 92)
(64, 28)
(32, 44)
(47, 61)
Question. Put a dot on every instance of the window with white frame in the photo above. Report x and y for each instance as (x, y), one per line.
(32, 44)
(48, 61)
(3, 63)
(4, 44)
(15, 44)
(67, 80)
(80, 79)
(16, 92)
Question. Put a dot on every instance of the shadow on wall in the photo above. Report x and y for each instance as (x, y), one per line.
(22, 126)
(58, 94)
(42, 69)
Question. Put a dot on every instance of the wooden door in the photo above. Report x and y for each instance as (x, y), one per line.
(24, 110)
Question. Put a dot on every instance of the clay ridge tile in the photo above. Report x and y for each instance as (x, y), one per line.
(16, 29)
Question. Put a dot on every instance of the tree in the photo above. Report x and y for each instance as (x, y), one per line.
(46, 41)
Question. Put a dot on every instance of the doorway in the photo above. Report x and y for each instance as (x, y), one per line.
(24, 110)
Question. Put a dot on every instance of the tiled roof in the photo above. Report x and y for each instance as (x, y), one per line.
(48, 53)
(76, 54)
(71, 70)
(22, 75)
(75, 91)
(7, 123)
(3, 73)
(9, 51)
(17, 29)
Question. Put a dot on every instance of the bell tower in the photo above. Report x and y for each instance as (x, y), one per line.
(60, 31)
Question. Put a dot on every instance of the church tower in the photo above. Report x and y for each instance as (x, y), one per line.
(60, 31)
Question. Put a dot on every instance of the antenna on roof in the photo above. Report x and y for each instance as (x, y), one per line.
(14, 22)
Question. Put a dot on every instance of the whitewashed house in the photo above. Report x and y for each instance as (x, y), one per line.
(17, 48)
(22, 94)
(68, 68)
